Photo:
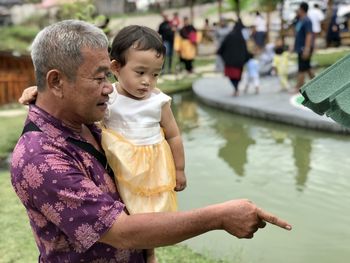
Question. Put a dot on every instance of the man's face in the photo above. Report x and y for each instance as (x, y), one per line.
(88, 94)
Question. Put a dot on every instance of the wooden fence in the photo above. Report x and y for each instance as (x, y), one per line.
(16, 73)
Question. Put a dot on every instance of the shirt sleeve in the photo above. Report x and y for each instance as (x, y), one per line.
(61, 189)
(164, 99)
(308, 26)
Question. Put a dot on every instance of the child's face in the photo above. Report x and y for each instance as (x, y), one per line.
(139, 75)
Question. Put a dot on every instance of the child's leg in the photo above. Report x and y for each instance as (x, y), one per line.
(284, 81)
(256, 84)
(151, 256)
(247, 84)
(235, 83)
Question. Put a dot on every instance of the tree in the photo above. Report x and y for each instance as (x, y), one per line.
(268, 6)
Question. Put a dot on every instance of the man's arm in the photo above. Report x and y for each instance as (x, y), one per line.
(240, 218)
(308, 43)
(308, 40)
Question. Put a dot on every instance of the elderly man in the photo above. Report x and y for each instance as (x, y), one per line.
(60, 173)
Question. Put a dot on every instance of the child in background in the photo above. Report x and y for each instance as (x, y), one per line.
(140, 136)
(253, 76)
(280, 64)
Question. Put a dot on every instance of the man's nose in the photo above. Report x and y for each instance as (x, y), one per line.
(107, 88)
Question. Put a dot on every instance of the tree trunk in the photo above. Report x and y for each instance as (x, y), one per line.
(220, 9)
(268, 22)
(192, 11)
(328, 18)
(282, 31)
(238, 9)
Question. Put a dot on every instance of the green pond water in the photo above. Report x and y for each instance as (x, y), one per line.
(301, 175)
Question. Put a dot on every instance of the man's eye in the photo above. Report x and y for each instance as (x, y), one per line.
(110, 77)
(100, 80)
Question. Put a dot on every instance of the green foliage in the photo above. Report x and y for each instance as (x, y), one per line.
(251, 5)
(244, 4)
(81, 10)
(10, 130)
(17, 38)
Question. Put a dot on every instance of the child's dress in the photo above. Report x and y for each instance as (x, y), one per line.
(280, 62)
(138, 153)
(253, 72)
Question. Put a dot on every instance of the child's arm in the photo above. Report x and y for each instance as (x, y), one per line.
(28, 95)
(173, 137)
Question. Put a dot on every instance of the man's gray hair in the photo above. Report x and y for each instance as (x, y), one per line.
(59, 45)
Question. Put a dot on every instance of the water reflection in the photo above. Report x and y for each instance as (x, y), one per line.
(299, 174)
(185, 112)
(301, 153)
(235, 150)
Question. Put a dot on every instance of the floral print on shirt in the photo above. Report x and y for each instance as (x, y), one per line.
(70, 199)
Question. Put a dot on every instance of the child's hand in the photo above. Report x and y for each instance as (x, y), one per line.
(180, 181)
(28, 95)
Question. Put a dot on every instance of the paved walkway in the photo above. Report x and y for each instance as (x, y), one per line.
(271, 104)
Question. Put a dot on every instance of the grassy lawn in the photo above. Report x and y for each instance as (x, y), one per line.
(327, 59)
(16, 239)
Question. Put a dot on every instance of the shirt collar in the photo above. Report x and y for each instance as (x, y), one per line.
(54, 127)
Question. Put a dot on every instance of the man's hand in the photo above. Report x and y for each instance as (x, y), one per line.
(306, 54)
(242, 218)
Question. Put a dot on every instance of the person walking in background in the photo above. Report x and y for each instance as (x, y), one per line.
(303, 46)
(316, 16)
(221, 31)
(234, 53)
(207, 32)
(186, 44)
(175, 21)
(167, 32)
(280, 64)
(333, 31)
(260, 30)
(253, 77)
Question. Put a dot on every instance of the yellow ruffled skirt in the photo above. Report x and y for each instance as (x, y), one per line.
(145, 174)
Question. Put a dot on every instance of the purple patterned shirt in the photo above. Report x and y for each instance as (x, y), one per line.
(70, 199)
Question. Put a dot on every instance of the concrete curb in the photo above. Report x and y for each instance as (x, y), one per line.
(270, 104)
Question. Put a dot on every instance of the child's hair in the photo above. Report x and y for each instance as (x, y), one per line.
(140, 37)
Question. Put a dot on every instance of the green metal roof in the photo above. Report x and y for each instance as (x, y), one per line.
(329, 92)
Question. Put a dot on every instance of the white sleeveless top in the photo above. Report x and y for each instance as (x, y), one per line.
(136, 120)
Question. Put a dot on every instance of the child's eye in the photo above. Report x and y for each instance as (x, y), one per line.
(156, 75)
(140, 72)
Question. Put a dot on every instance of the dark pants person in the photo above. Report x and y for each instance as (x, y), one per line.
(188, 64)
(304, 64)
(169, 47)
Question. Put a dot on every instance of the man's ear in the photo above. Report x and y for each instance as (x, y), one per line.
(55, 82)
